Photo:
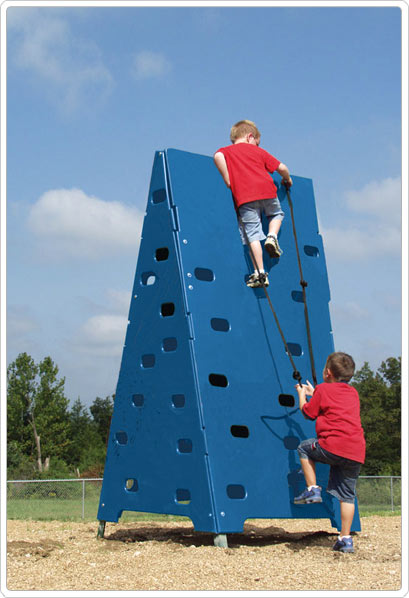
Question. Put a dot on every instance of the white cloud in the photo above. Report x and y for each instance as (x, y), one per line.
(370, 223)
(378, 199)
(105, 329)
(68, 69)
(102, 335)
(69, 222)
(149, 65)
(361, 244)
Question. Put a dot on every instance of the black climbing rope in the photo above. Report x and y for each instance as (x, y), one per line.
(296, 373)
(304, 285)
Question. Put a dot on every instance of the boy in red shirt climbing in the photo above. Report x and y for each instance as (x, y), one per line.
(245, 169)
(341, 443)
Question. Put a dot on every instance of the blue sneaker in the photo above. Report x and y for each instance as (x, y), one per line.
(309, 496)
(344, 544)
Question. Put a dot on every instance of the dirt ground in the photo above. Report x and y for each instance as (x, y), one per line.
(272, 555)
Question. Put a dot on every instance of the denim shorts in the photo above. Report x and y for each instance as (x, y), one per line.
(343, 472)
(251, 214)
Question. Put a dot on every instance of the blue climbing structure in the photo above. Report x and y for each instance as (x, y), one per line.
(205, 420)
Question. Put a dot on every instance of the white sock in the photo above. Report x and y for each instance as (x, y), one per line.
(272, 235)
(310, 487)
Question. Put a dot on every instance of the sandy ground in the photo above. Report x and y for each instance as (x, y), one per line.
(274, 554)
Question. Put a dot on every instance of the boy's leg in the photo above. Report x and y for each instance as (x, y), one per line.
(271, 245)
(275, 215)
(274, 226)
(252, 233)
(308, 469)
(257, 252)
(312, 494)
(342, 485)
(259, 278)
(345, 542)
(347, 515)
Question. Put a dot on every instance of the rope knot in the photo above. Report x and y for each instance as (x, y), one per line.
(297, 376)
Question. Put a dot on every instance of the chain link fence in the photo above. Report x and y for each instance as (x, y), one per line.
(74, 499)
(379, 493)
(68, 499)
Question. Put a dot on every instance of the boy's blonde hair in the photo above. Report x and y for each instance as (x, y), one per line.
(342, 366)
(243, 128)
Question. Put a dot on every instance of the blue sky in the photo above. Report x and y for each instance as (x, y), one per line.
(93, 92)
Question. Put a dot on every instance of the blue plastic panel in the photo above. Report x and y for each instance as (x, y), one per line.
(204, 375)
(156, 397)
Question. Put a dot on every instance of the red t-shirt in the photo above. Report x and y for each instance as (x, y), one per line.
(248, 167)
(335, 407)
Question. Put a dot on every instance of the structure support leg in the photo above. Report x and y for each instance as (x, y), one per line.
(101, 529)
(220, 540)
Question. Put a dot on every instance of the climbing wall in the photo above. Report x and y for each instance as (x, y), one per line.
(205, 420)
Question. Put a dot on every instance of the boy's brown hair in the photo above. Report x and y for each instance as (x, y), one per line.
(342, 366)
(243, 128)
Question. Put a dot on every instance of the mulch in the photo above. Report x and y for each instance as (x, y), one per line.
(270, 555)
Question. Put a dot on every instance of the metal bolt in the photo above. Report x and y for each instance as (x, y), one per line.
(190, 287)
(185, 241)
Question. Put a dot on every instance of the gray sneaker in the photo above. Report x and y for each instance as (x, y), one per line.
(258, 281)
(272, 247)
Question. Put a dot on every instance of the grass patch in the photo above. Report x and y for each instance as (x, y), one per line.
(63, 501)
(51, 509)
(72, 510)
(59, 509)
(365, 512)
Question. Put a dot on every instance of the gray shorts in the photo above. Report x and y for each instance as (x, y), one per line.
(251, 215)
(343, 472)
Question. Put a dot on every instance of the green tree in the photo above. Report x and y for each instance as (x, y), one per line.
(80, 424)
(37, 410)
(380, 396)
(87, 449)
(101, 410)
(19, 465)
(52, 411)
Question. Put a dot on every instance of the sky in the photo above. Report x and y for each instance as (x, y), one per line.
(93, 91)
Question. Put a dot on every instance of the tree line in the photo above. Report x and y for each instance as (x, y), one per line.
(46, 438)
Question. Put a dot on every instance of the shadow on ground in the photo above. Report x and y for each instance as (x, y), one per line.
(251, 536)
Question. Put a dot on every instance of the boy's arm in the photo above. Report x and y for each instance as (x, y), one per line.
(304, 390)
(285, 173)
(220, 162)
(302, 395)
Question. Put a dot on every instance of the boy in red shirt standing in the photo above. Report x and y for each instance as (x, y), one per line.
(245, 169)
(341, 443)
